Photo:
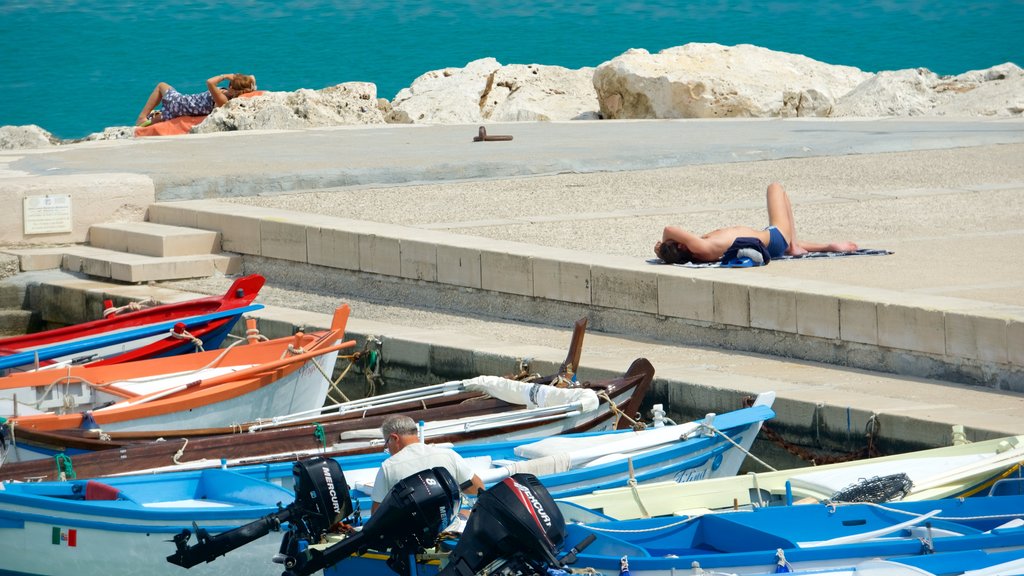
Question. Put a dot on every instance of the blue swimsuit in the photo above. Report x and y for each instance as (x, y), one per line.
(777, 244)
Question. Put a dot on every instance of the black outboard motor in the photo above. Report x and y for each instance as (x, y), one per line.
(409, 518)
(321, 500)
(515, 528)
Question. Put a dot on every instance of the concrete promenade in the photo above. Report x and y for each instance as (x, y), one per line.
(496, 247)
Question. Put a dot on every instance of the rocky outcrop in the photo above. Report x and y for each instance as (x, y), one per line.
(112, 133)
(486, 91)
(447, 96)
(29, 136)
(520, 92)
(997, 91)
(344, 104)
(715, 81)
(690, 81)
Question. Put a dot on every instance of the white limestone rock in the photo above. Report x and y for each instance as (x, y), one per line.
(996, 91)
(519, 92)
(715, 81)
(344, 104)
(447, 96)
(28, 136)
(486, 91)
(111, 133)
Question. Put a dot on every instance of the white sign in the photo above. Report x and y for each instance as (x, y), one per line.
(47, 214)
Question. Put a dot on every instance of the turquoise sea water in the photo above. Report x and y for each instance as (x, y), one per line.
(77, 66)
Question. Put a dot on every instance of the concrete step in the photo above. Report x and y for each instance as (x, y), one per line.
(33, 259)
(126, 267)
(16, 322)
(11, 296)
(151, 239)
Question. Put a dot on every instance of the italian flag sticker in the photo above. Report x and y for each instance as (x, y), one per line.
(67, 537)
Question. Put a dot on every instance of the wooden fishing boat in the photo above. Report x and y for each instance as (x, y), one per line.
(127, 334)
(952, 471)
(214, 388)
(496, 404)
(435, 396)
(466, 417)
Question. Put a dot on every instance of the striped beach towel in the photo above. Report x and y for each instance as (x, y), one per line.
(784, 258)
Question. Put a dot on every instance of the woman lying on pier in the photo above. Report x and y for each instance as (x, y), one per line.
(678, 246)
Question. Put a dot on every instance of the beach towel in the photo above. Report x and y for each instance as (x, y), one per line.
(785, 257)
(172, 127)
(181, 124)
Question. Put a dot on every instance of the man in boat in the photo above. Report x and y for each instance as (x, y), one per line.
(409, 456)
(679, 246)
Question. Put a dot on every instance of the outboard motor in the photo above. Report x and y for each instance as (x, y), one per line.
(409, 518)
(321, 501)
(515, 528)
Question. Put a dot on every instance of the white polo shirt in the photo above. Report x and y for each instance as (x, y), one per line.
(417, 458)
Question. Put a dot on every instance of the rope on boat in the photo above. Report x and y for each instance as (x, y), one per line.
(65, 470)
(180, 452)
(318, 433)
(618, 413)
(334, 383)
(13, 441)
(714, 430)
(781, 564)
(639, 530)
(186, 335)
(636, 493)
(133, 306)
(875, 489)
(871, 430)
(371, 361)
(1011, 516)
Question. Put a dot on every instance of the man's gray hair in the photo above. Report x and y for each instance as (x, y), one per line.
(398, 424)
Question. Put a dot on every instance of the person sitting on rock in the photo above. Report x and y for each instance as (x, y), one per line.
(176, 104)
(678, 246)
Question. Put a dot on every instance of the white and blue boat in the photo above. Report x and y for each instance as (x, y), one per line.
(517, 528)
(574, 464)
(126, 523)
(948, 536)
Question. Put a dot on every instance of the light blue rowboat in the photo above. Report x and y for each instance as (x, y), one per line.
(981, 536)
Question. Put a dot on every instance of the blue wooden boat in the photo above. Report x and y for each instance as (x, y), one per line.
(516, 527)
(948, 536)
(127, 523)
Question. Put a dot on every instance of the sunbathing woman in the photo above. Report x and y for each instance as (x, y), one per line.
(177, 104)
(680, 246)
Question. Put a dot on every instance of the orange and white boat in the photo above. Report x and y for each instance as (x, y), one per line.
(215, 388)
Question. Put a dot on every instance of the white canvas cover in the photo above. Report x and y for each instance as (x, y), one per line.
(532, 395)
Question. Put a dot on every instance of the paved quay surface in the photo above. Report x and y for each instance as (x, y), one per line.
(946, 196)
